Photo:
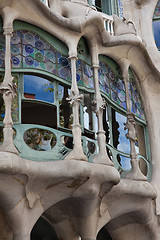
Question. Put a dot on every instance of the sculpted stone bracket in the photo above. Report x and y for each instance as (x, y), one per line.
(40, 186)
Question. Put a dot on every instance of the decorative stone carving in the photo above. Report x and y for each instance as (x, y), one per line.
(98, 103)
(77, 152)
(135, 173)
(8, 89)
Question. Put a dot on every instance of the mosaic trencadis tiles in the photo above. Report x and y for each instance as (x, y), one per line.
(111, 85)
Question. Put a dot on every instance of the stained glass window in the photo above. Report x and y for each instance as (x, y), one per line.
(120, 8)
(29, 50)
(113, 86)
(136, 103)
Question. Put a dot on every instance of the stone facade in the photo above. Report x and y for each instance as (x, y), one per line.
(75, 196)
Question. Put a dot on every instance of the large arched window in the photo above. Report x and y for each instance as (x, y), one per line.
(41, 111)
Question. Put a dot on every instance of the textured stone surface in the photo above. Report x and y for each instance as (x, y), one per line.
(79, 198)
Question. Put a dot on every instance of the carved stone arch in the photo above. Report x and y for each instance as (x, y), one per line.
(43, 230)
(103, 234)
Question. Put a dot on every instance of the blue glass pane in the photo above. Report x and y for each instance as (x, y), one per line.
(156, 30)
(87, 75)
(120, 8)
(136, 103)
(38, 88)
(119, 134)
(112, 85)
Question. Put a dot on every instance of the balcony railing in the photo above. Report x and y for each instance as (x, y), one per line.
(108, 23)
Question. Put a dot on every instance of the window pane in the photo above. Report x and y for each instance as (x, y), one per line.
(124, 162)
(39, 139)
(38, 88)
(88, 119)
(67, 141)
(37, 113)
(65, 110)
(140, 140)
(119, 134)
(143, 166)
(156, 29)
(106, 125)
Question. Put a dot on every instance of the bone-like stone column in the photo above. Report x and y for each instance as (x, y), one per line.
(8, 90)
(102, 156)
(135, 173)
(21, 237)
(75, 99)
(88, 238)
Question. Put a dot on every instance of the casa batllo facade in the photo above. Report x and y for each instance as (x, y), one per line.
(79, 119)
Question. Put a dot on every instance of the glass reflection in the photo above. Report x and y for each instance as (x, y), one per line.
(106, 124)
(140, 140)
(156, 30)
(143, 166)
(109, 154)
(40, 139)
(119, 134)
(91, 147)
(67, 141)
(65, 110)
(1, 134)
(38, 88)
(124, 162)
(88, 119)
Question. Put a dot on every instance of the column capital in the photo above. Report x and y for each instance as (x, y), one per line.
(73, 56)
(7, 30)
(95, 66)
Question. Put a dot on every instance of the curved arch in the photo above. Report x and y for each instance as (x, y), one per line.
(43, 230)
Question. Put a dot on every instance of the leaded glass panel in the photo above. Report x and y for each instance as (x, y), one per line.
(88, 80)
(64, 67)
(2, 50)
(111, 85)
(136, 103)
